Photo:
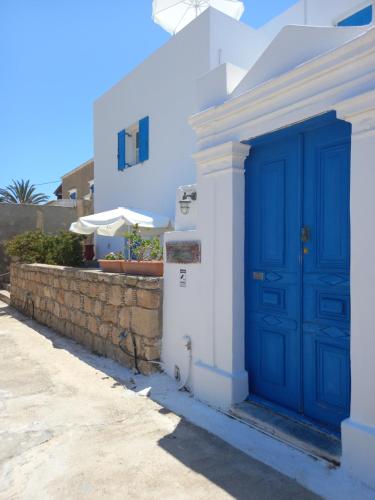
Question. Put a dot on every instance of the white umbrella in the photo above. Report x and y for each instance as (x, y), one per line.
(115, 222)
(173, 15)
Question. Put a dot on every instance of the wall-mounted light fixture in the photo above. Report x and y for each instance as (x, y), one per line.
(185, 202)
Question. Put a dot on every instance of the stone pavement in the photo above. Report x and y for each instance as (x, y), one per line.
(68, 430)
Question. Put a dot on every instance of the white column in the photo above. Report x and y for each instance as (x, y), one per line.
(358, 431)
(219, 372)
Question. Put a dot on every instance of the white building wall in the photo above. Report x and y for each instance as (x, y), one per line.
(358, 432)
(164, 88)
(161, 88)
(214, 87)
(313, 13)
(293, 46)
(210, 309)
(246, 44)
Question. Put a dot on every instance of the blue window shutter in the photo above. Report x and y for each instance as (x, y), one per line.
(121, 151)
(144, 139)
(360, 18)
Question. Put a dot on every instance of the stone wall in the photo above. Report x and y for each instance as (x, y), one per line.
(114, 315)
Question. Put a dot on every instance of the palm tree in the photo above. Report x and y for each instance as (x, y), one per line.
(21, 192)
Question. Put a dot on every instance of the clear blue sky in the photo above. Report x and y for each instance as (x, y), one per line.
(56, 58)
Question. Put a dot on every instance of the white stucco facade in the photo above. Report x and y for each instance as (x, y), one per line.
(236, 87)
(163, 88)
(198, 68)
(215, 299)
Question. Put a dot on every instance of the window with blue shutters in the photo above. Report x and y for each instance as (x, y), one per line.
(360, 18)
(133, 144)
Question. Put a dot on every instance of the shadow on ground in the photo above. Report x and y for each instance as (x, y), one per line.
(231, 470)
(58, 341)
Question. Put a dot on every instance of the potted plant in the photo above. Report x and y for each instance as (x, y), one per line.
(112, 262)
(145, 255)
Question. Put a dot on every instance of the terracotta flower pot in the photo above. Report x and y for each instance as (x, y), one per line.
(111, 266)
(143, 267)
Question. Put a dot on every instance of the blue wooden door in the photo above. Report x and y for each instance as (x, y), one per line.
(273, 270)
(326, 253)
(297, 269)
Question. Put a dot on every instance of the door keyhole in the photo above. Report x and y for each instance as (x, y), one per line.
(305, 234)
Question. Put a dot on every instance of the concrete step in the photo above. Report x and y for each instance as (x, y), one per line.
(299, 434)
(5, 296)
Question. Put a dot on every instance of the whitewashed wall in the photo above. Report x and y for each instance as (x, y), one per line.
(313, 13)
(211, 308)
(163, 87)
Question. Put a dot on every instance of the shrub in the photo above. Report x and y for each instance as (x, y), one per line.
(64, 249)
(30, 247)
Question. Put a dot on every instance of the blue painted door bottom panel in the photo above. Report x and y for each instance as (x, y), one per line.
(297, 268)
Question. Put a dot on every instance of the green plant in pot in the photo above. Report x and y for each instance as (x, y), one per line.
(112, 262)
(114, 256)
(145, 254)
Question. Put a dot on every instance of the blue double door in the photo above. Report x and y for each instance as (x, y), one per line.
(297, 254)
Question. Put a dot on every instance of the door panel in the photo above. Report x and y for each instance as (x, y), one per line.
(326, 299)
(297, 294)
(273, 349)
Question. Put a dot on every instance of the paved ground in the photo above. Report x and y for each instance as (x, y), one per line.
(70, 431)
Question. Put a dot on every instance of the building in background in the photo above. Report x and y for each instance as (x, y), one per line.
(58, 192)
(78, 184)
(77, 188)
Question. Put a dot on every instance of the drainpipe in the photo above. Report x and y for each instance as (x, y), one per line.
(187, 344)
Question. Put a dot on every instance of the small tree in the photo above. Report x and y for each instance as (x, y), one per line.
(21, 192)
(143, 249)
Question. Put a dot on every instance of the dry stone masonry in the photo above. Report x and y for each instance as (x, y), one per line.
(114, 315)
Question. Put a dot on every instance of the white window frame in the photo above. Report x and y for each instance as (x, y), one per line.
(90, 194)
(132, 145)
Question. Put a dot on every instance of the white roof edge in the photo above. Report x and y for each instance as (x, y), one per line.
(263, 90)
(293, 46)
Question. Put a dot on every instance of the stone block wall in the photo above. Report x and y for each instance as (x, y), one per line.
(115, 315)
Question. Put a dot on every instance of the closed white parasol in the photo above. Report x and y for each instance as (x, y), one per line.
(173, 15)
(115, 222)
